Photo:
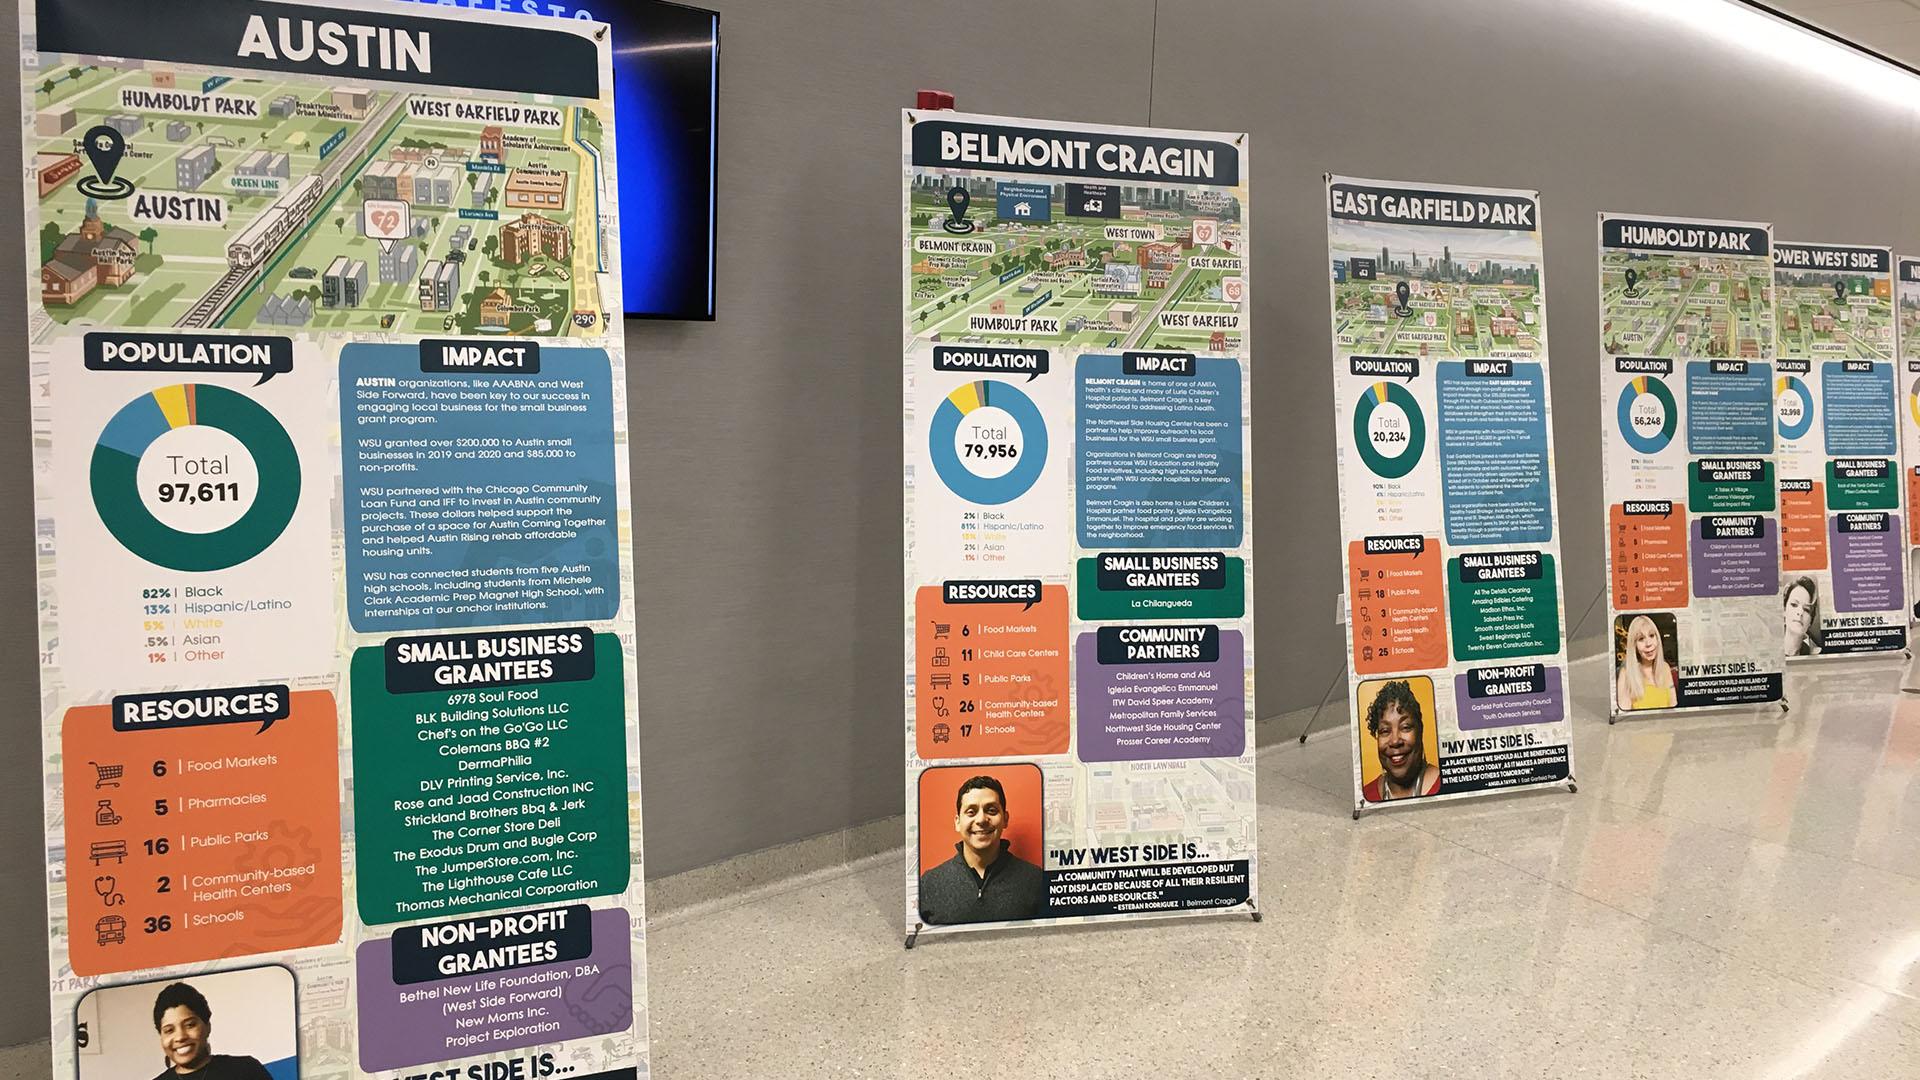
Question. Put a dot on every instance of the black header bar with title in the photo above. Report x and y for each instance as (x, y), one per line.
(1418, 206)
(1102, 155)
(343, 43)
(1837, 257)
(1707, 238)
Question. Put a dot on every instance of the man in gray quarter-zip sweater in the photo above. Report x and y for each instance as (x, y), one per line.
(984, 881)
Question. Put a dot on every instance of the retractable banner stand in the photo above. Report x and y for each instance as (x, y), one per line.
(1836, 406)
(1907, 289)
(1079, 546)
(1693, 524)
(1457, 664)
(336, 605)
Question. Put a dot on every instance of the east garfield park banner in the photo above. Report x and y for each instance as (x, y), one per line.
(1688, 458)
(1079, 573)
(333, 540)
(1457, 663)
(1836, 400)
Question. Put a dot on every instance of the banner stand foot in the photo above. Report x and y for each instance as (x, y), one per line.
(1575, 788)
(1784, 707)
(913, 935)
(1611, 717)
(1324, 698)
(1356, 813)
(1254, 914)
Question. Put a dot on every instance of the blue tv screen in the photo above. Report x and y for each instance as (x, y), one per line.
(666, 71)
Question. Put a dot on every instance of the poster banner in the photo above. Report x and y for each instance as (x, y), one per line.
(1688, 462)
(1079, 540)
(1456, 650)
(334, 545)
(1907, 291)
(1836, 403)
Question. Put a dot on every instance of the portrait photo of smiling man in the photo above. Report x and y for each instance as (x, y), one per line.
(984, 881)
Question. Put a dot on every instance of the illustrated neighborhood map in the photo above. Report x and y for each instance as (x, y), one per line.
(253, 203)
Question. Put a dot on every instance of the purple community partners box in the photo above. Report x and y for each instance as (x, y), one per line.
(1735, 555)
(1866, 560)
(409, 1018)
(1508, 695)
(1149, 709)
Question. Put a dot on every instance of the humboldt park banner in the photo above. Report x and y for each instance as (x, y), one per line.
(1457, 663)
(336, 606)
(1693, 524)
(1836, 403)
(1907, 292)
(1079, 577)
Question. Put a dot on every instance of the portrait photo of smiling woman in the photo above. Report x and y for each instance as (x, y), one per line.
(227, 1025)
(1399, 745)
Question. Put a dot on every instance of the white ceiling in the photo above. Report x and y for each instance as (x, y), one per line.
(1885, 26)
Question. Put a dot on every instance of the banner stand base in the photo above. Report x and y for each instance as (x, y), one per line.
(1614, 714)
(1572, 787)
(913, 935)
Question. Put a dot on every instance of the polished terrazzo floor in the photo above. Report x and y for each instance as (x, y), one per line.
(1728, 895)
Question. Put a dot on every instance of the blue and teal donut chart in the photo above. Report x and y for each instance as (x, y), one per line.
(1391, 468)
(988, 490)
(115, 484)
(1650, 440)
(1790, 384)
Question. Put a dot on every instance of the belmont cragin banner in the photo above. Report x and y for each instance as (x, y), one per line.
(1457, 663)
(1907, 291)
(1836, 420)
(336, 602)
(1693, 521)
(1079, 538)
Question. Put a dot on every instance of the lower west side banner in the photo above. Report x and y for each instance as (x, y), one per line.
(1457, 661)
(1687, 432)
(1079, 575)
(334, 546)
(1907, 292)
(1836, 402)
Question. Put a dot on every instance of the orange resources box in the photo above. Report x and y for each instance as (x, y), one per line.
(1648, 539)
(1396, 604)
(194, 836)
(1803, 525)
(992, 676)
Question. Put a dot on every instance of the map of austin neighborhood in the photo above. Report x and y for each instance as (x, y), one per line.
(254, 204)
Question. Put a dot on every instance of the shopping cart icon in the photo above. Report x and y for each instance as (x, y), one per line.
(941, 629)
(103, 850)
(106, 776)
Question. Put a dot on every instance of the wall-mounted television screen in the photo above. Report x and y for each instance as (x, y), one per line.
(666, 72)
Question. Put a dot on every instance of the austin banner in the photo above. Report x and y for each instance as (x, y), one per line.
(1836, 401)
(1687, 423)
(1450, 533)
(336, 602)
(1079, 578)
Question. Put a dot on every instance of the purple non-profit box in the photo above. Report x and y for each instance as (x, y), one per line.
(1508, 696)
(414, 1023)
(1725, 563)
(1145, 711)
(1866, 560)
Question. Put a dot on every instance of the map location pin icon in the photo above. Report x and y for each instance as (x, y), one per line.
(1633, 276)
(957, 200)
(1839, 290)
(104, 146)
